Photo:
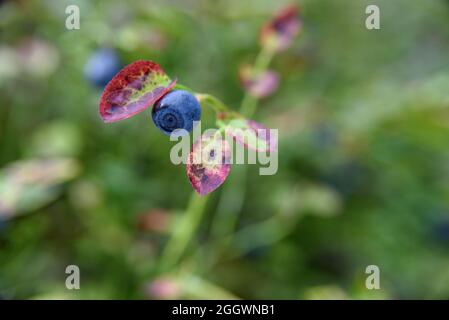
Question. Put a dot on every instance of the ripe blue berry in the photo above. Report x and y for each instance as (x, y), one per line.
(3, 225)
(176, 110)
(102, 66)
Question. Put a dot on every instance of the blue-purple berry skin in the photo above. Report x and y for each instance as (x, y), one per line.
(102, 66)
(178, 109)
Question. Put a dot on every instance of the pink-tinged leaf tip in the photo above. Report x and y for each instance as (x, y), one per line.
(208, 164)
(279, 32)
(132, 90)
(258, 84)
(252, 135)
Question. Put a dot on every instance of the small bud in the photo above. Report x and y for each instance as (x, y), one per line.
(163, 288)
(258, 84)
(278, 33)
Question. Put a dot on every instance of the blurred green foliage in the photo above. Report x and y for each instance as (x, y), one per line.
(364, 153)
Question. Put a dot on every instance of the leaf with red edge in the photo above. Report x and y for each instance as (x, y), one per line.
(208, 164)
(252, 135)
(132, 90)
(278, 33)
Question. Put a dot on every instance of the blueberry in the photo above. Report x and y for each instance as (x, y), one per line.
(176, 110)
(102, 67)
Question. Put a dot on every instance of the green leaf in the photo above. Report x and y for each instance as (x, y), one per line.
(30, 184)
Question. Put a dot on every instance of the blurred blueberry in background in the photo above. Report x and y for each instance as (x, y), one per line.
(102, 66)
(348, 178)
(439, 231)
(3, 226)
(324, 136)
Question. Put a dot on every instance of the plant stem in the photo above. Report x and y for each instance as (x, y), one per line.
(179, 86)
(185, 228)
(230, 204)
(183, 232)
(263, 59)
(213, 102)
(232, 199)
(249, 103)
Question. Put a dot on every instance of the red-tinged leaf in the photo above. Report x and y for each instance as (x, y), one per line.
(208, 164)
(132, 90)
(252, 135)
(258, 84)
(278, 33)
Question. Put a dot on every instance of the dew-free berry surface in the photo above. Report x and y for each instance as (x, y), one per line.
(176, 110)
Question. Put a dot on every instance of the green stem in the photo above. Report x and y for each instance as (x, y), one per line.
(185, 228)
(232, 199)
(179, 86)
(230, 204)
(255, 236)
(183, 232)
(263, 59)
(248, 106)
(205, 98)
(213, 102)
(249, 103)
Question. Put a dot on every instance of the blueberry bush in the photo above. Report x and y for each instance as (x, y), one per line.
(85, 170)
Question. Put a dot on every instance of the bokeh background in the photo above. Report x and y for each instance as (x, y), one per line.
(363, 155)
